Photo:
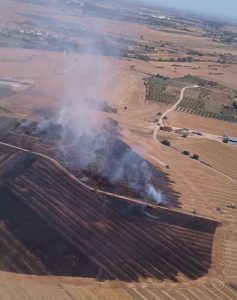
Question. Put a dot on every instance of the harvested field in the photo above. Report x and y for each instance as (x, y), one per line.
(219, 156)
(73, 226)
(217, 127)
(94, 291)
(120, 87)
(199, 188)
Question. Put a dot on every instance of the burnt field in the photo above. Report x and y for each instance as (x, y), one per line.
(50, 224)
(102, 160)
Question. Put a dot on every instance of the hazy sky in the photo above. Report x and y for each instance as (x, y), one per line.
(214, 7)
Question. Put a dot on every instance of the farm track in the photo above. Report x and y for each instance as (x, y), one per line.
(98, 292)
(170, 110)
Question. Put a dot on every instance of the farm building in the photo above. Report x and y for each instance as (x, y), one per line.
(229, 139)
(182, 131)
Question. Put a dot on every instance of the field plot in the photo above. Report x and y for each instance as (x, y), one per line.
(157, 91)
(166, 90)
(74, 226)
(195, 122)
(94, 291)
(210, 291)
(204, 101)
(10, 86)
(118, 85)
(208, 103)
(219, 156)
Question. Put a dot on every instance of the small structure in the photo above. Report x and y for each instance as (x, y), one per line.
(184, 132)
(225, 138)
(219, 209)
(229, 139)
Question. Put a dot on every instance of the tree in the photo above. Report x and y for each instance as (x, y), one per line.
(165, 142)
(195, 156)
(185, 152)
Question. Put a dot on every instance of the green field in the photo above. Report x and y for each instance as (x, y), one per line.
(161, 90)
(209, 107)
(208, 101)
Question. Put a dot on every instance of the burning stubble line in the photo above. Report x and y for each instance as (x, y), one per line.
(153, 194)
(131, 200)
(138, 174)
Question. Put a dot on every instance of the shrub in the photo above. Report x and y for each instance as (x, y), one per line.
(195, 156)
(185, 152)
(165, 142)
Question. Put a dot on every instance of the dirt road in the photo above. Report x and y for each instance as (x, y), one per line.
(171, 109)
(135, 201)
(207, 136)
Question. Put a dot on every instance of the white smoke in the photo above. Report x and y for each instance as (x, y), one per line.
(154, 195)
(127, 165)
(85, 130)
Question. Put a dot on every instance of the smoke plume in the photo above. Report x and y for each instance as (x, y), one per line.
(87, 136)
